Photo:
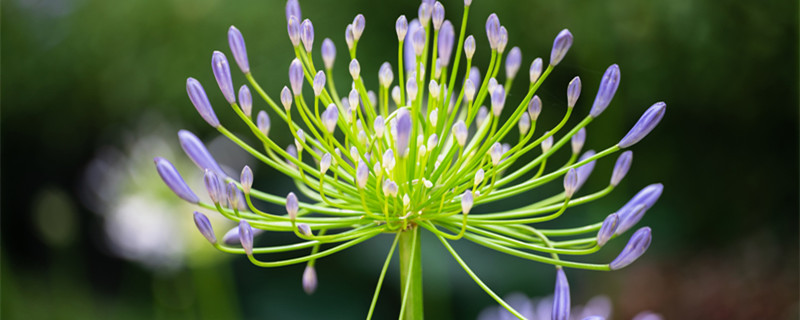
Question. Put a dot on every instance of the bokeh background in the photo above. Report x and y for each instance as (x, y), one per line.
(92, 90)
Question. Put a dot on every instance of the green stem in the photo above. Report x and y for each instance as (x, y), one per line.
(411, 274)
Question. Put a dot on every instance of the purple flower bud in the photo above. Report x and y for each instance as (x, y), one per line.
(467, 3)
(293, 28)
(503, 40)
(388, 160)
(560, 46)
(547, 143)
(329, 117)
(460, 132)
(202, 223)
(535, 108)
(246, 100)
(196, 151)
(409, 56)
(621, 167)
(325, 163)
(524, 123)
(296, 76)
(578, 140)
(432, 141)
(635, 248)
(349, 38)
(403, 135)
(493, 30)
(401, 27)
(173, 180)
(286, 98)
(355, 69)
(328, 53)
(353, 100)
(246, 179)
(573, 91)
(292, 151)
(479, 176)
(222, 73)
(232, 236)
(246, 237)
(513, 61)
(262, 121)
(469, 47)
(293, 9)
(424, 12)
(466, 202)
(292, 205)
(536, 70)
(561, 300)
(418, 41)
(446, 39)
(437, 15)
(646, 123)
(498, 100)
(385, 75)
(389, 188)
(607, 229)
(236, 42)
(608, 87)
(629, 215)
(233, 195)
(304, 229)
(495, 152)
(200, 101)
(309, 280)
(319, 83)
(358, 26)
(483, 113)
(214, 187)
(301, 138)
(492, 85)
(469, 90)
(411, 90)
(362, 173)
(307, 35)
(570, 183)
(585, 170)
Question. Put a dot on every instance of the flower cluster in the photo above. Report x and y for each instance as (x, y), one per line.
(416, 155)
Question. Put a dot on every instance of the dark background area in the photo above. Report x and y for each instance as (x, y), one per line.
(87, 81)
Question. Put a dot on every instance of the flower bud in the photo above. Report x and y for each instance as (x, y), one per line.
(535, 108)
(263, 123)
(433, 88)
(547, 143)
(292, 206)
(355, 69)
(635, 248)
(437, 15)
(233, 195)
(304, 229)
(385, 75)
(401, 27)
(498, 100)
(214, 187)
(578, 140)
(479, 176)
(232, 236)
(570, 183)
(495, 152)
(446, 40)
(561, 299)
(301, 138)
(433, 140)
(621, 167)
(293, 28)
(503, 41)
(469, 90)
(524, 123)
(403, 132)
(246, 100)
(196, 151)
(469, 47)
(483, 113)
(329, 117)
(293, 10)
(349, 38)
(291, 150)
(362, 173)
(493, 30)
(573, 91)
(319, 83)
(466, 202)
(513, 61)
(424, 12)
(396, 95)
(629, 215)
(325, 163)
(202, 223)
(286, 98)
(406, 200)
(246, 236)
(409, 56)
(607, 229)
(236, 42)
(460, 132)
(608, 87)
(492, 85)
(328, 53)
(535, 71)
(173, 180)
(389, 188)
(359, 23)
(560, 46)
(388, 160)
(585, 170)
(309, 280)
(418, 41)
(246, 179)
(646, 123)
(200, 101)
(296, 76)
(411, 90)
(307, 35)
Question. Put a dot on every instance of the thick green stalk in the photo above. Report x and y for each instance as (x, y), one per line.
(411, 274)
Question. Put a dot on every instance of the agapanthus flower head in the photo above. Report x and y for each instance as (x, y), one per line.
(434, 157)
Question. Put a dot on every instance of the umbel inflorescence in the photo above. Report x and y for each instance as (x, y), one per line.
(419, 154)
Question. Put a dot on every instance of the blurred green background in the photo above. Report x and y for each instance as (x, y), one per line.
(92, 90)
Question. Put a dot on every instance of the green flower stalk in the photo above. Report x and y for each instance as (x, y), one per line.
(420, 163)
